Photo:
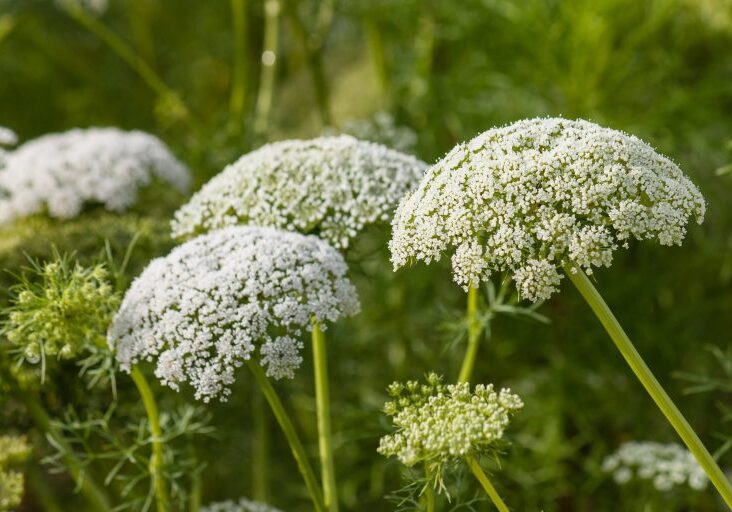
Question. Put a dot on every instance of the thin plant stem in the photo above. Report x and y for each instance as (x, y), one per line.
(156, 459)
(429, 492)
(195, 492)
(239, 78)
(377, 53)
(293, 439)
(649, 381)
(260, 450)
(42, 492)
(322, 405)
(486, 483)
(474, 332)
(269, 63)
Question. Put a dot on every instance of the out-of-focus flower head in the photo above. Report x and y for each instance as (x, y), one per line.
(243, 505)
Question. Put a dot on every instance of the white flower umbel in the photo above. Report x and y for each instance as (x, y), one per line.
(665, 465)
(204, 309)
(7, 137)
(243, 505)
(329, 186)
(60, 173)
(528, 197)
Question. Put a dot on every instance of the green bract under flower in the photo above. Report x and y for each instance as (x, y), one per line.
(438, 423)
(330, 186)
(243, 505)
(531, 196)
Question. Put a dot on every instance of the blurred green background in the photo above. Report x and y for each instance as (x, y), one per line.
(216, 79)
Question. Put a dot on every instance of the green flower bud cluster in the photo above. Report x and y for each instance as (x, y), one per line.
(13, 450)
(437, 423)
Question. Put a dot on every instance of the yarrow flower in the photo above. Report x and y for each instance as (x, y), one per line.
(243, 505)
(329, 186)
(13, 451)
(534, 195)
(205, 308)
(666, 465)
(61, 173)
(437, 422)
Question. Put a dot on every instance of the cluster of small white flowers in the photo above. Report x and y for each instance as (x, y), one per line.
(203, 309)
(383, 129)
(243, 505)
(531, 196)
(666, 465)
(436, 422)
(60, 173)
(7, 138)
(329, 186)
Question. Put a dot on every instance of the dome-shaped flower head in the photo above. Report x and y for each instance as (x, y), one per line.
(215, 300)
(665, 465)
(60, 173)
(330, 186)
(531, 196)
(243, 505)
(438, 423)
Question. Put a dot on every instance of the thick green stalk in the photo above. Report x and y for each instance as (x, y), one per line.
(269, 61)
(156, 459)
(260, 451)
(474, 332)
(486, 483)
(429, 492)
(322, 404)
(238, 82)
(652, 386)
(291, 434)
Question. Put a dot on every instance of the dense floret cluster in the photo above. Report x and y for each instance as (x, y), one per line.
(206, 307)
(329, 186)
(437, 422)
(61, 173)
(666, 465)
(531, 196)
(13, 451)
(243, 505)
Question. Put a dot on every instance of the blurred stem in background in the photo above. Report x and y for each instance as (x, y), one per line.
(649, 381)
(139, 15)
(260, 450)
(424, 46)
(377, 55)
(239, 84)
(7, 24)
(41, 490)
(268, 68)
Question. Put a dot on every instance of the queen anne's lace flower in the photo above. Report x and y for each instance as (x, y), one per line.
(530, 196)
(436, 422)
(203, 309)
(243, 505)
(329, 186)
(666, 465)
(60, 173)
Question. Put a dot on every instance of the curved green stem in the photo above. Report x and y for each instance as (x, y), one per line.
(652, 386)
(474, 331)
(486, 483)
(291, 434)
(156, 459)
(429, 492)
(322, 403)
(260, 451)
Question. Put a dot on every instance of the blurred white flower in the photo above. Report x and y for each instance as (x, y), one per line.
(60, 173)
(329, 186)
(243, 505)
(95, 7)
(383, 129)
(205, 308)
(531, 196)
(7, 137)
(665, 465)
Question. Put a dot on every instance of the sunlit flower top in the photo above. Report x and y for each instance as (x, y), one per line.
(666, 465)
(61, 172)
(530, 196)
(214, 300)
(437, 422)
(330, 186)
(243, 505)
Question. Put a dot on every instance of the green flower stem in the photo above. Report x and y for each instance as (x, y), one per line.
(486, 483)
(260, 451)
(238, 85)
(156, 459)
(429, 492)
(474, 331)
(293, 439)
(652, 386)
(322, 403)
(267, 74)
(94, 493)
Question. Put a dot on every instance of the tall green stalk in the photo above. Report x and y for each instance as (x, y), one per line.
(486, 483)
(269, 62)
(322, 404)
(156, 459)
(652, 386)
(239, 75)
(429, 492)
(298, 452)
(474, 332)
(260, 451)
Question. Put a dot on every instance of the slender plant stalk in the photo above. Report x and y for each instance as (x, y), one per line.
(486, 483)
(429, 492)
(94, 493)
(239, 78)
(194, 504)
(41, 490)
(298, 452)
(269, 64)
(260, 452)
(652, 386)
(474, 332)
(322, 404)
(378, 56)
(156, 459)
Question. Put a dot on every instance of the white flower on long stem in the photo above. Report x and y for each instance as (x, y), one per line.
(205, 308)
(329, 186)
(60, 173)
(528, 197)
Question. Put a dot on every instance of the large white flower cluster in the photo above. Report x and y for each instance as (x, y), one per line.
(666, 465)
(329, 186)
(207, 306)
(531, 196)
(60, 173)
(437, 422)
(243, 505)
